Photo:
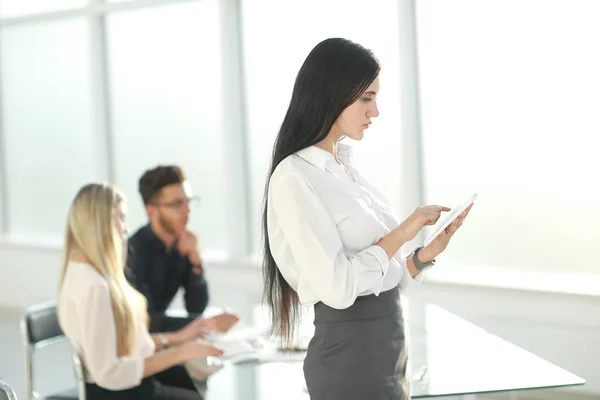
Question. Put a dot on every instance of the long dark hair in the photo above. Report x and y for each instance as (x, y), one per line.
(334, 75)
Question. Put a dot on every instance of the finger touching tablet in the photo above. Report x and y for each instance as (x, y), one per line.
(451, 216)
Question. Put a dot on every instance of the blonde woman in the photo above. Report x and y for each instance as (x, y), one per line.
(106, 319)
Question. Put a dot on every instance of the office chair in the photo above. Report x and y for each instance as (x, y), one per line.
(40, 328)
(6, 392)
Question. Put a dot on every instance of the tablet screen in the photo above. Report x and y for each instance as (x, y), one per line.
(451, 216)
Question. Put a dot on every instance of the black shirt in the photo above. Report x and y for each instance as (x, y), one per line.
(158, 274)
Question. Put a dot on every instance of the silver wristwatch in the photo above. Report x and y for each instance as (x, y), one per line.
(418, 264)
(164, 341)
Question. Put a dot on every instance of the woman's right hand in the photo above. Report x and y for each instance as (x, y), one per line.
(422, 216)
(198, 328)
(198, 348)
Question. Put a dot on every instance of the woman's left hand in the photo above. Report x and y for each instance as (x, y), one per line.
(439, 244)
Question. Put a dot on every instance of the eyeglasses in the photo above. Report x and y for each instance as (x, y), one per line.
(179, 204)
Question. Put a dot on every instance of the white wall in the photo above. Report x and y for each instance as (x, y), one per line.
(562, 328)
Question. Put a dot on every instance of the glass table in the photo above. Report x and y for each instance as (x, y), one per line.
(448, 356)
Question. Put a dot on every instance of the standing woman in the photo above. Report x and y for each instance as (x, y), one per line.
(106, 319)
(333, 241)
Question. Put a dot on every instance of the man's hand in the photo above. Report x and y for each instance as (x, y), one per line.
(187, 244)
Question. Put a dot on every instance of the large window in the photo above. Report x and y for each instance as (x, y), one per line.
(20, 8)
(508, 90)
(1, 196)
(275, 45)
(47, 124)
(165, 84)
(510, 98)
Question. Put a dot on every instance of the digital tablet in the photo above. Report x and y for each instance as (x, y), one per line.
(451, 216)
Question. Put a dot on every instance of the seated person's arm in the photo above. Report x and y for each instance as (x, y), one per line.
(136, 275)
(193, 282)
(196, 289)
(187, 351)
(184, 330)
(99, 345)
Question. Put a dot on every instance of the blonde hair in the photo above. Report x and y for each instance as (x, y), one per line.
(91, 230)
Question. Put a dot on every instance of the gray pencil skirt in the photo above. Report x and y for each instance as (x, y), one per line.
(359, 352)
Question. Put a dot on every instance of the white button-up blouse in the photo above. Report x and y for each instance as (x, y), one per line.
(323, 220)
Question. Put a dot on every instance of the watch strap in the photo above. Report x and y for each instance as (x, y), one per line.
(418, 264)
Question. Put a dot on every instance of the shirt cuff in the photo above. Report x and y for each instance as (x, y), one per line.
(416, 279)
(381, 256)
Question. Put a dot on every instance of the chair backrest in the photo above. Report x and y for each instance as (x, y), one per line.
(40, 323)
(39, 327)
(6, 392)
